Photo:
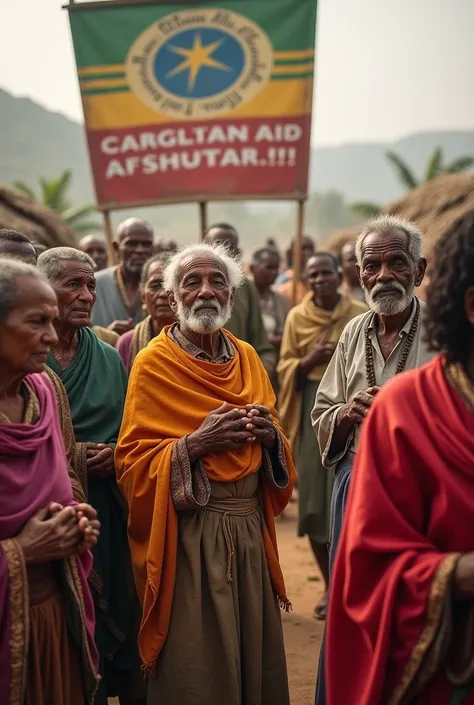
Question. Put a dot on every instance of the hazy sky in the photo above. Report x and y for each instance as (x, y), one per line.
(385, 68)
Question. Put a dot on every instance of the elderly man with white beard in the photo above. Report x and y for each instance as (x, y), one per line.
(205, 467)
(373, 347)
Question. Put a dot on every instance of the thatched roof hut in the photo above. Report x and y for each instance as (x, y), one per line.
(40, 224)
(435, 206)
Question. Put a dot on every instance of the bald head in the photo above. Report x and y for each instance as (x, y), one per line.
(133, 225)
(15, 245)
(224, 234)
(94, 246)
(134, 245)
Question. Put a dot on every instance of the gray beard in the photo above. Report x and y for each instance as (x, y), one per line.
(204, 323)
(390, 304)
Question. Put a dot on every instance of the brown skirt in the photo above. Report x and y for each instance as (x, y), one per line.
(225, 640)
(54, 674)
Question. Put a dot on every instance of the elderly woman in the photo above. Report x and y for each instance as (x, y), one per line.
(155, 301)
(95, 381)
(47, 653)
(205, 468)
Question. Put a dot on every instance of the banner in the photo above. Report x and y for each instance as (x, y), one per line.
(196, 102)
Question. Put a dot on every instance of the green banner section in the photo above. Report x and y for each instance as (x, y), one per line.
(103, 36)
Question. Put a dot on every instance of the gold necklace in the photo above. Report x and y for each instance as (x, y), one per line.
(369, 353)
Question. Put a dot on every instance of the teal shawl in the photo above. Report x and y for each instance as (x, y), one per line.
(96, 384)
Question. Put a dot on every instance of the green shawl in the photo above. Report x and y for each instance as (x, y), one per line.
(96, 384)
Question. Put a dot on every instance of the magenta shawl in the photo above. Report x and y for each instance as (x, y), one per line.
(33, 473)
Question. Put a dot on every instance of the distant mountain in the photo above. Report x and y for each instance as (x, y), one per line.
(361, 171)
(36, 142)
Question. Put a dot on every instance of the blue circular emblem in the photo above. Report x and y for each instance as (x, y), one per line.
(198, 63)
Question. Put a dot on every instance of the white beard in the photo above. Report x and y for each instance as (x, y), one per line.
(392, 303)
(204, 322)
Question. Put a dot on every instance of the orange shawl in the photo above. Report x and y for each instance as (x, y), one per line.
(169, 395)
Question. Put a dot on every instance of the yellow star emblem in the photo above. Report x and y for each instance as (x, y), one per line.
(196, 58)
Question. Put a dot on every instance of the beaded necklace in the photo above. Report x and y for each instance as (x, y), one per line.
(369, 353)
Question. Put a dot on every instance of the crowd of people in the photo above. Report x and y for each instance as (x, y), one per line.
(154, 415)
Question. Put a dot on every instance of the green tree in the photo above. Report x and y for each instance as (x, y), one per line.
(54, 195)
(435, 166)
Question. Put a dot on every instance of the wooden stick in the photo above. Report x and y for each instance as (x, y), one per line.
(109, 234)
(297, 252)
(203, 218)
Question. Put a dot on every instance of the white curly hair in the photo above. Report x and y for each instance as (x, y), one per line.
(384, 224)
(219, 252)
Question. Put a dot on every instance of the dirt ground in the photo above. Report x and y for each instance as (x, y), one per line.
(302, 632)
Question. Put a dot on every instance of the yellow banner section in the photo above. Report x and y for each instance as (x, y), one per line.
(290, 98)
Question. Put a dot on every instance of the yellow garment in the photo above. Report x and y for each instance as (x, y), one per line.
(305, 326)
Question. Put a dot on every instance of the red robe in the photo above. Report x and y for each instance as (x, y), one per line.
(410, 514)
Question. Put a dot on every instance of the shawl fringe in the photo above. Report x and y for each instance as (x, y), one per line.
(20, 627)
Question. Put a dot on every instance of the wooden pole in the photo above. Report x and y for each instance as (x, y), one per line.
(109, 234)
(297, 273)
(203, 218)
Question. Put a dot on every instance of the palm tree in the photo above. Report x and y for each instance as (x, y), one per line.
(434, 168)
(54, 195)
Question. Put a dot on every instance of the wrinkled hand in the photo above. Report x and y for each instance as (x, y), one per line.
(121, 327)
(100, 460)
(46, 538)
(222, 430)
(358, 406)
(260, 425)
(87, 522)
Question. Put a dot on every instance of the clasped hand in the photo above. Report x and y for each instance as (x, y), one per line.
(99, 460)
(56, 532)
(359, 405)
(227, 428)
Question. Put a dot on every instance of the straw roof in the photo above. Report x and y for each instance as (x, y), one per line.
(40, 224)
(435, 206)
